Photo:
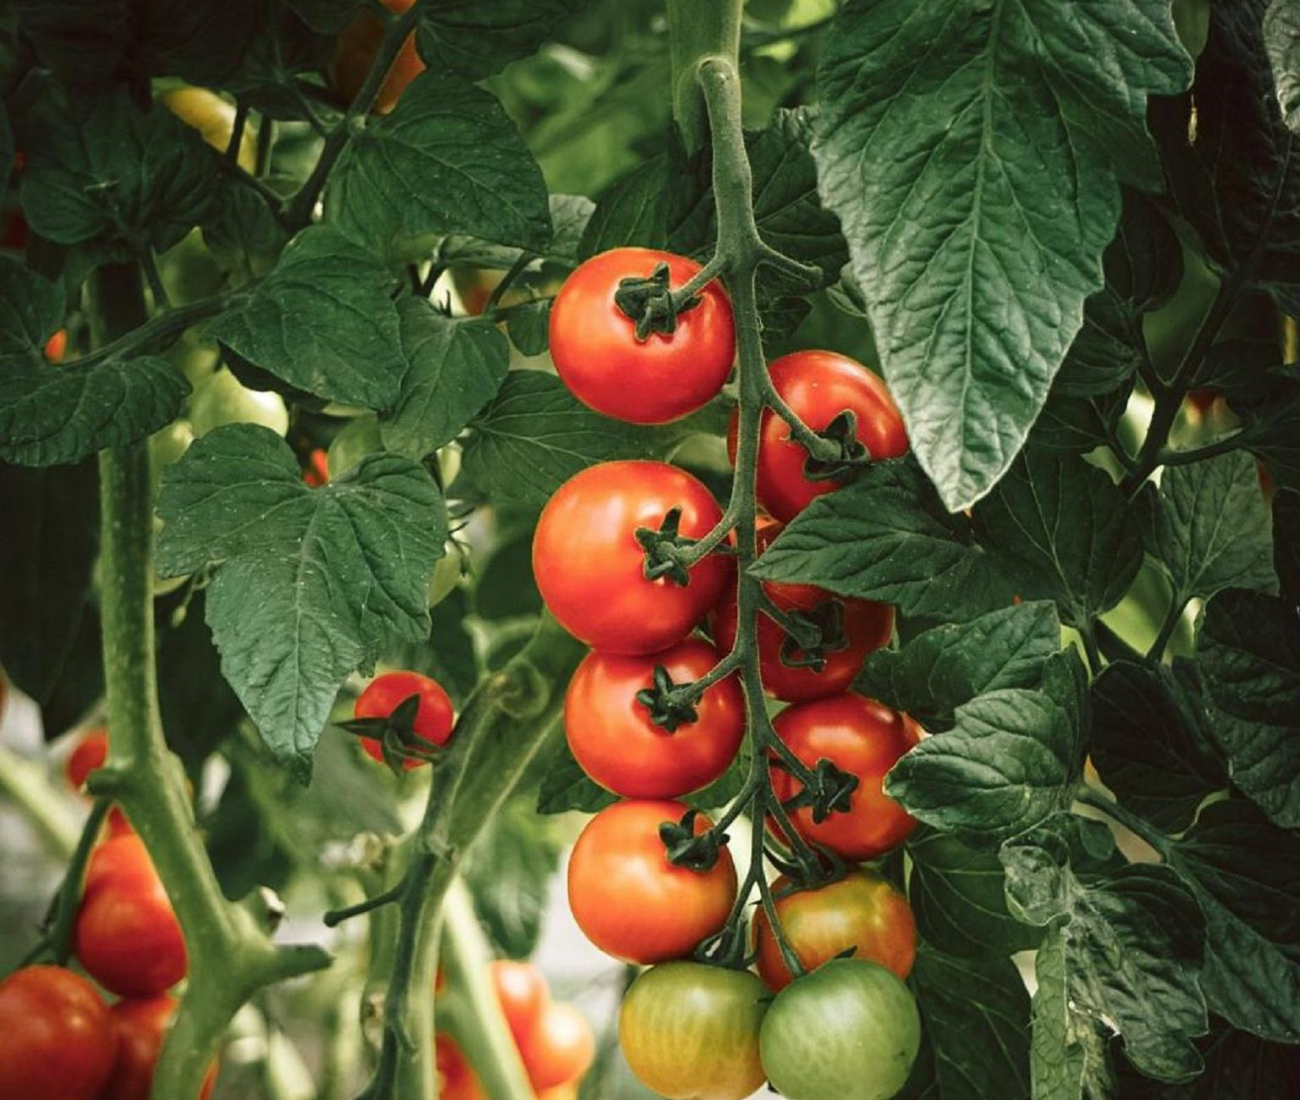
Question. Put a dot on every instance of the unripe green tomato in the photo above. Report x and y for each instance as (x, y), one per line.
(449, 463)
(446, 575)
(847, 1031)
(223, 400)
(358, 438)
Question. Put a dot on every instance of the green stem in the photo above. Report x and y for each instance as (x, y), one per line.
(696, 29)
(1089, 796)
(65, 911)
(26, 784)
(1167, 628)
(1200, 454)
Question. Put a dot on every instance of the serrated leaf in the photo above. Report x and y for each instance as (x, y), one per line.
(1066, 533)
(633, 211)
(1248, 650)
(456, 366)
(535, 435)
(242, 233)
(974, 162)
(1011, 760)
(108, 171)
(447, 160)
(1133, 939)
(1077, 425)
(529, 325)
(474, 40)
(1246, 875)
(324, 321)
(887, 537)
(1150, 744)
(958, 898)
(309, 583)
(1068, 1055)
(565, 787)
(1282, 41)
(569, 217)
(1209, 527)
(939, 670)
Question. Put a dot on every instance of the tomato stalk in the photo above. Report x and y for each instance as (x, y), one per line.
(231, 954)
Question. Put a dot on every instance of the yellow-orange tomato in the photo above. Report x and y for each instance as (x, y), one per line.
(456, 1077)
(860, 912)
(214, 119)
(559, 1048)
(356, 50)
(522, 991)
(56, 347)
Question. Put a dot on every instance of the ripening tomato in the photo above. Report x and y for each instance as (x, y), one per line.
(615, 741)
(88, 755)
(859, 736)
(861, 912)
(629, 900)
(56, 1036)
(434, 720)
(559, 1048)
(590, 567)
(651, 381)
(847, 1031)
(818, 386)
(127, 936)
(141, 1026)
(865, 626)
(56, 347)
(214, 119)
(690, 1031)
(456, 1077)
(317, 470)
(522, 992)
(355, 51)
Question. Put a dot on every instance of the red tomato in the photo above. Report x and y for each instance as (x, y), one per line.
(456, 1077)
(818, 385)
(141, 1026)
(317, 471)
(867, 626)
(651, 381)
(629, 900)
(355, 51)
(56, 1036)
(860, 912)
(559, 1049)
(433, 717)
(613, 738)
(591, 569)
(127, 936)
(859, 736)
(90, 753)
(56, 347)
(523, 994)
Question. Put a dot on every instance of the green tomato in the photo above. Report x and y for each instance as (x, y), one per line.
(691, 1032)
(356, 439)
(446, 575)
(847, 1031)
(223, 400)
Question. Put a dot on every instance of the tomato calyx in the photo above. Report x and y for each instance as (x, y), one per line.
(396, 735)
(685, 848)
(842, 432)
(829, 790)
(811, 634)
(670, 705)
(649, 302)
(663, 557)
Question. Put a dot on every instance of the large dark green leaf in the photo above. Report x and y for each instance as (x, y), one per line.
(309, 583)
(474, 39)
(973, 151)
(565, 786)
(1068, 1058)
(1237, 1067)
(1282, 41)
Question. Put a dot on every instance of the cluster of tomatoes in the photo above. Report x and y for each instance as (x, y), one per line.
(59, 1039)
(689, 1029)
(555, 1043)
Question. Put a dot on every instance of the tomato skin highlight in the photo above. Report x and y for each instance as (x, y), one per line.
(847, 1031)
(57, 1040)
(860, 736)
(591, 569)
(434, 717)
(818, 385)
(141, 1027)
(653, 381)
(355, 51)
(617, 744)
(691, 1032)
(522, 991)
(629, 900)
(559, 1049)
(861, 911)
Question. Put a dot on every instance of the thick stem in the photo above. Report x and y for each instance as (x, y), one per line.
(696, 29)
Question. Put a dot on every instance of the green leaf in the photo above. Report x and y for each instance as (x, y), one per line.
(46, 558)
(474, 40)
(941, 669)
(535, 435)
(326, 16)
(1012, 759)
(448, 653)
(508, 872)
(447, 160)
(1246, 875)
(957, 894)
(984, 1002)
(1132, 935)
(309, 583)
(1248, 649)
(504, 587)
(456, 367)
(1077, 425)
(324, 321)
(83, 40)
(887, 537)
(1282, 41)
(1151, 746)
(1068, 1055)
(242, 233)
(1065, 532)
(1237, 1067)
(632, 211)
(973, 151)
(1209, 527)
(566, 786)
(529, 325)
(570, 215)
(200, 40)
(108, 171)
